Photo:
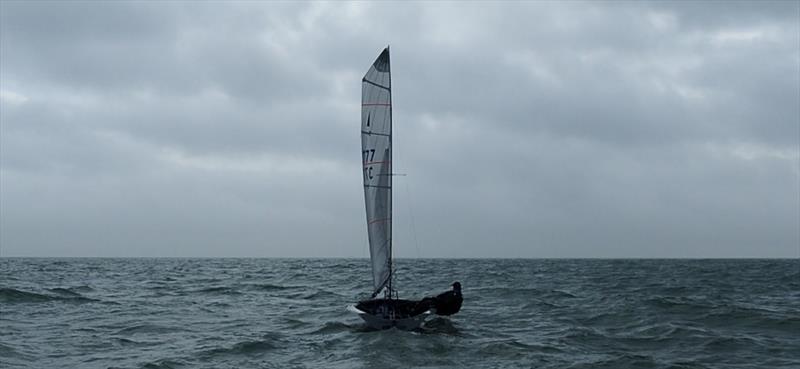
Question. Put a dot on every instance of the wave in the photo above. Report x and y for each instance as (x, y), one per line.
(664, 331)
(583, 335)
(248, 348)
(729, 343)
(219, 290)
(440, 326)
(560, 294)
(670, 290)
(293, 323)
(148, 328)
(334, 327)
(126, 342)
(512, 348)
(83, 289)
(316, 295)
(604, 319)
(164, 364)
(679, 304)
(65, 292)
(621, 361)
(661, 316)
(11, 295)
(322, 294)
(270, 287)
(9, 352)
(755, 317)
(539, 305)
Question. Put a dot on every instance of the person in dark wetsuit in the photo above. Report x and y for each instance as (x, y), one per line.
(447, 303)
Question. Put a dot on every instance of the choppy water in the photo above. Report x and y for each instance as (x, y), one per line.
(290, 313)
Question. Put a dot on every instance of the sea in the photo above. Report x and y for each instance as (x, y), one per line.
(292, 313)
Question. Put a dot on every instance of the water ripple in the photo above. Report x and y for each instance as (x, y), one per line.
(278, 313)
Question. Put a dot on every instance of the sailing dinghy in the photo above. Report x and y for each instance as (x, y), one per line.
(376, 151)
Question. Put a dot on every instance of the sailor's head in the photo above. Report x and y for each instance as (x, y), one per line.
(456, 286)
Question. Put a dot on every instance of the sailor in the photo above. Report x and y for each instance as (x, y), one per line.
(449, 303)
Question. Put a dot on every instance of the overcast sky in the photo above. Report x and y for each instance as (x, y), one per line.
(563, 129)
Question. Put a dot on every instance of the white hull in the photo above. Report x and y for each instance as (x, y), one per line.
(381, 322)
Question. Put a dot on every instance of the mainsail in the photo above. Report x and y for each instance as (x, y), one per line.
(376, 154)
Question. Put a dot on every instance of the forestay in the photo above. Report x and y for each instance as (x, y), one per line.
(376, 151)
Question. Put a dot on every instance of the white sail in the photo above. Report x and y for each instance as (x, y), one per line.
(376, 155)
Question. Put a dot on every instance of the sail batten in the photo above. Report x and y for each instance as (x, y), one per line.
(376, 146)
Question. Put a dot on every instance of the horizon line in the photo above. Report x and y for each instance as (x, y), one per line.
(415, 258)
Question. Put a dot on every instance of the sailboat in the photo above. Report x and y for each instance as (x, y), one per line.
(376, 154)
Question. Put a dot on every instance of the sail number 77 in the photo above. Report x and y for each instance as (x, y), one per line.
(368, 155)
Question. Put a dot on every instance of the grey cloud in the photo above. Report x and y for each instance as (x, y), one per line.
(705, 14)
(533, 129)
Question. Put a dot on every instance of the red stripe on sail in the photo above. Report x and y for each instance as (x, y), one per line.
(379, 220)
(376, 162)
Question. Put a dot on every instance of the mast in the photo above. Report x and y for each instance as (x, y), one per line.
(391, 194)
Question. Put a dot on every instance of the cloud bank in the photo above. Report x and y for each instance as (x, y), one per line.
(578, 129)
